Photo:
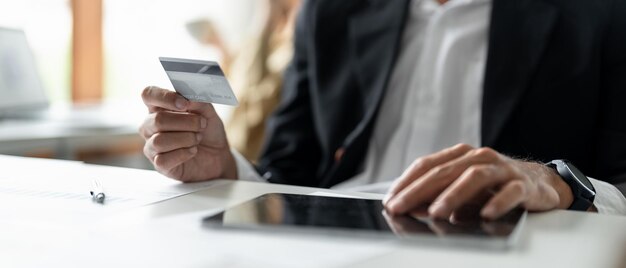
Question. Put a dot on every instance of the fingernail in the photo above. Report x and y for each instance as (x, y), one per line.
(437, 209)
(198, 137)
(193, 150)
(386, 199)
(203, 123)
(394, 206)
(488, 212)
(180, 103)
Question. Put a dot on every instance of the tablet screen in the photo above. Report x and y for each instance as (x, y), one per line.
(358, 216)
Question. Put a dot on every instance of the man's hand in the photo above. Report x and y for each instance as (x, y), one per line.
(461, 175)
(185, 140)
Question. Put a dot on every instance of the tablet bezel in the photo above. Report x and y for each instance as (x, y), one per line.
(215, 221)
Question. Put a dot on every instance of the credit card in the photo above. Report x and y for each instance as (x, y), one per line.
(197, 80)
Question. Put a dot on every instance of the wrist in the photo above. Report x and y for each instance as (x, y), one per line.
(230, 166)
(566, 196)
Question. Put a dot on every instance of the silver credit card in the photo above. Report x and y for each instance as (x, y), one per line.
(197, 80)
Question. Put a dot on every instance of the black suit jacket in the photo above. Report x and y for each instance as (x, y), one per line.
(554, 86)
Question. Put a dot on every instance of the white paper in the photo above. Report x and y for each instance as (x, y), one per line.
(58, 192)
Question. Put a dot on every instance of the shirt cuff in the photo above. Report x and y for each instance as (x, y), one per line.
(609, 200)
(245, 170)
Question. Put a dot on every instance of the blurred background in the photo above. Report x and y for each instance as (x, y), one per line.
(93, 58)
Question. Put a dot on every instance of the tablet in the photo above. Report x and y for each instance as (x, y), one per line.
(323, 215)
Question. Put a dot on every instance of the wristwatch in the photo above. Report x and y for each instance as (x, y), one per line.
(582, 189)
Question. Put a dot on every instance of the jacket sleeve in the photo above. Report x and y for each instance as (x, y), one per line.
(611, 149)
(291, 153)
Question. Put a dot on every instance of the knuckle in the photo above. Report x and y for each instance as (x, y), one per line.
(463, 147)
(147, 151)
(146, 128)
(151, 156)
(486, 153)
(519, 187)
(158, 141)
(160, 119)
(477, 172)
(422, 162)
(145, 93)
(441, 171)
(143, 131)
(159, 162)
(165, 161)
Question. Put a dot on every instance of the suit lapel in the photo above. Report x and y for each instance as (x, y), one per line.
(374, 43)
(518, 34)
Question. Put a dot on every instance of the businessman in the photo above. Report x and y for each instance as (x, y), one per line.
(462, 101)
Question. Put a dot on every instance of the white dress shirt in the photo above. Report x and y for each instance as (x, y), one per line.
(433, 99)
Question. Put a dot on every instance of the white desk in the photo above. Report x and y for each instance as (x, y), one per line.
(169, 234)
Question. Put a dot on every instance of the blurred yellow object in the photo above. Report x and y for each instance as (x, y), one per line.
(257, 74)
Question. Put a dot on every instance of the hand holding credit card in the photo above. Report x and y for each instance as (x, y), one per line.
(201, 81)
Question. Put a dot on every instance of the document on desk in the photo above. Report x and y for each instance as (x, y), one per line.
(125, 185)
(42, 189)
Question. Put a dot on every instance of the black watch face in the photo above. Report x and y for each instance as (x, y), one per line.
(579, 176)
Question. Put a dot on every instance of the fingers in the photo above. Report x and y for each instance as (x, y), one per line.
(423, 165)
(511, 196)
(165, 162)
(166, 121)
(206, 110)
(470, 184)
(431, 184)
(174, 129)
(169, 141)
(157, 98)
(463, 178)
